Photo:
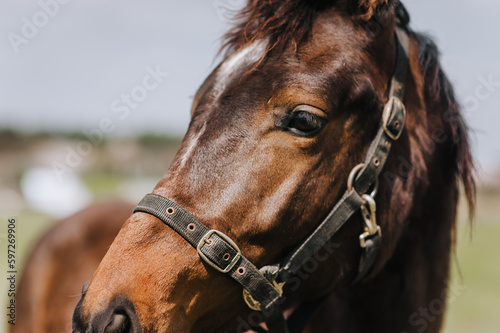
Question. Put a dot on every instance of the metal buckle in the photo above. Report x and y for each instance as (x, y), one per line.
(255, 305)
(391, 104)
(206, 239)
(368, 210)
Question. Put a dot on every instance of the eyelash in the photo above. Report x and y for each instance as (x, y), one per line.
(314, 121)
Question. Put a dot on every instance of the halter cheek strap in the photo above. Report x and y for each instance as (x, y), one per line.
(263, 288)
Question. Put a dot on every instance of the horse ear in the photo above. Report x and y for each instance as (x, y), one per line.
(366, 9)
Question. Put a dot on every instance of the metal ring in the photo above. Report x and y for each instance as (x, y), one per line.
(170, 210)
(352, 177)
(375, 188)
(353, 174)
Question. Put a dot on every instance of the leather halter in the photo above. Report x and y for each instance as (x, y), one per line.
(263, 288)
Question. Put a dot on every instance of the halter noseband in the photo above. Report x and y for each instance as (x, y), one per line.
(263, 288)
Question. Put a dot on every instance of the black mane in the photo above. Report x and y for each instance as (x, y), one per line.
(440, 89)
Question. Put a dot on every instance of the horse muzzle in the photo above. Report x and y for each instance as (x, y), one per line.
(118, 317)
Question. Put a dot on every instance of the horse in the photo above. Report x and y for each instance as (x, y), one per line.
(314, 191)
(60, 262)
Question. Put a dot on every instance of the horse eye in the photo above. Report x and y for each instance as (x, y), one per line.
(304, 123)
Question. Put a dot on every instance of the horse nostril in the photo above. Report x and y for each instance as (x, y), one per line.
(119, 323)
(118, 317)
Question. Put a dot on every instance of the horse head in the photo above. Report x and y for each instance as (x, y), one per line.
(277, 129)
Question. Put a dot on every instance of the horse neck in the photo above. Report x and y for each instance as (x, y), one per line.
(410, 291)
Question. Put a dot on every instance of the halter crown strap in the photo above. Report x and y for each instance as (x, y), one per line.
(262, 291)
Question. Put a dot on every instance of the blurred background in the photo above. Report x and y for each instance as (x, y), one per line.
(95, 98)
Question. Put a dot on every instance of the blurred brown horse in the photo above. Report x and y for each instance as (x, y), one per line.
(275, 131)
(61, 261)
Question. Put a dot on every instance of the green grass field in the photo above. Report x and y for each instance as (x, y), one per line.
(473, 309)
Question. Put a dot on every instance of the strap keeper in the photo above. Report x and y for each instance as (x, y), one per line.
(271, 274)
(255, 305)
(393, 118)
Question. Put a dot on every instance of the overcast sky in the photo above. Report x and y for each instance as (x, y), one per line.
(73, 69)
